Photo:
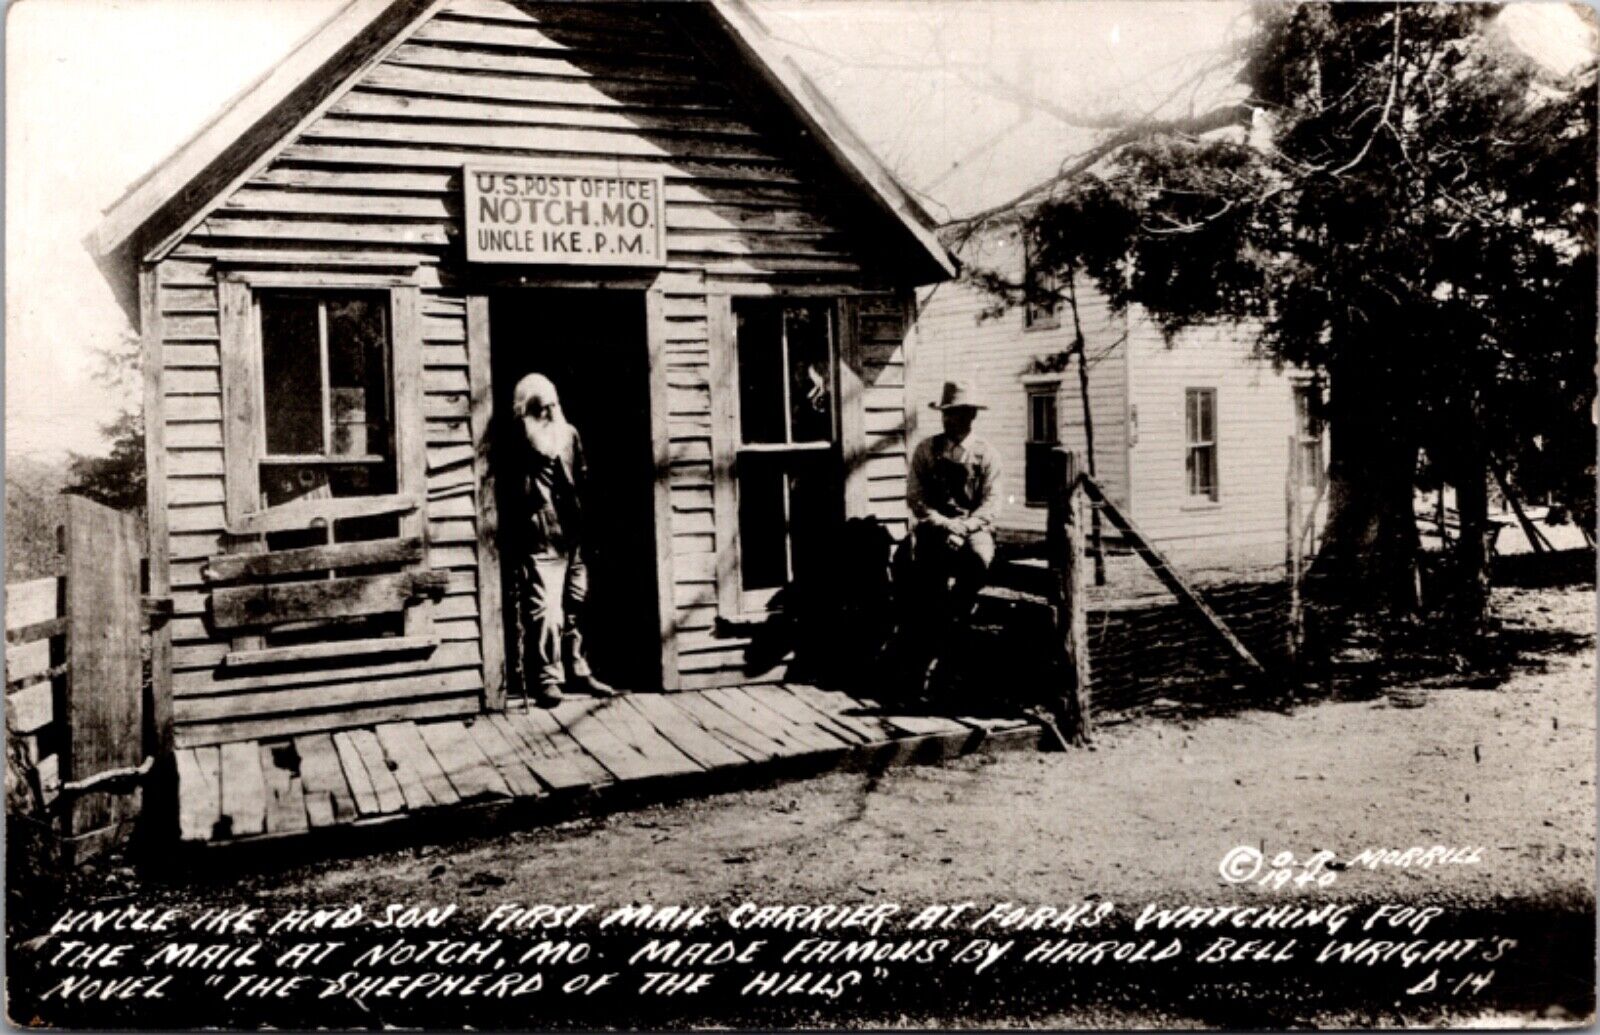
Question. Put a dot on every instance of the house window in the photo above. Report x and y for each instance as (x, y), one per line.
(787, 462)
(1043, 435)
(1200, 406)
(1308, 435)
(327, 404)
(1042, 309)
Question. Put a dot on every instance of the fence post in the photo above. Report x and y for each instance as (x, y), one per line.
(1065, 537)
(102, 725)
(1291, 548)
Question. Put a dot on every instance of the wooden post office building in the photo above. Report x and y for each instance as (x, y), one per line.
(340, 278)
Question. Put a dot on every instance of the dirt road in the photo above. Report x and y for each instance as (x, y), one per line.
(1144, 817)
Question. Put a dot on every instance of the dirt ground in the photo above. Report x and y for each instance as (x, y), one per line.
(1152, 808)
(1145, 816)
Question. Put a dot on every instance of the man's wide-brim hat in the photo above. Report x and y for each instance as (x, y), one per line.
(956, 397)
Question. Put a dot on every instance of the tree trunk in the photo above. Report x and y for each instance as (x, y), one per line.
(1367, 564)
(1470, 575)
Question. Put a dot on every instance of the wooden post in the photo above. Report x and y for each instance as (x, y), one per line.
(157, 547)
(1067, 522)
(1080, 348)
(491, 596)
(103, 714)
(1291, 548)
(1536, 540)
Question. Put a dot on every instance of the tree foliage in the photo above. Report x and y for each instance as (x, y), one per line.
(1409, 212)
(117, 478)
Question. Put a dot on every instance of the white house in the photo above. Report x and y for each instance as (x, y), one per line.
(1192, 437)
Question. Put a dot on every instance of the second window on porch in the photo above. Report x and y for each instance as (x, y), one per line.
(787, 460)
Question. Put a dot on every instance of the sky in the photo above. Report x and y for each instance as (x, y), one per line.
(963, 99)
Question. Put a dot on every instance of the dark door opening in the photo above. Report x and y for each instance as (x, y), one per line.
(592, 344)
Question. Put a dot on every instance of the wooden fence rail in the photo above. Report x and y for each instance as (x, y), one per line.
(36, 664)
(75, 700)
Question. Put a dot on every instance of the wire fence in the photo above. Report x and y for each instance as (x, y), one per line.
(1150, 650)
(1182, 624)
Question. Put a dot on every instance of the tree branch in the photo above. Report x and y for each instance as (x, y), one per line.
(1237, 114)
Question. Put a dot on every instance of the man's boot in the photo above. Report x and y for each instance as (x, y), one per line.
(586, 683)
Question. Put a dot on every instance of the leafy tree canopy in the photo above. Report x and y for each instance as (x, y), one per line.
(1405, 205)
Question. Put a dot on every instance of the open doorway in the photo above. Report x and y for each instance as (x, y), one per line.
(592, 344)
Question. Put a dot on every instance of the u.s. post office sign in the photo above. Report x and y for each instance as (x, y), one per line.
(544, 213)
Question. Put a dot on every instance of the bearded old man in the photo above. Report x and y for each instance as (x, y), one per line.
(551, 580)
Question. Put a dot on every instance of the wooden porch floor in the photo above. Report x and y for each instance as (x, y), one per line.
(252, 789)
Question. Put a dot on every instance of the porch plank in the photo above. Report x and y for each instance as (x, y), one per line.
(404, 744)
(563, 761)
(924, 725)
(734, 719)
(390, 796)
(707, 751)
(785, 703)
(801, 739)
(406, 776)
(646, 750)
(722, 727)
(355, 771)
(322, 773)
(504, 758)
(838, 707)
(319, 809)
(199, 793)
(636, 731)
(596, 738)
(774, 728)
(244, 793)
(466, 766)
(286, 800)
(535, 752)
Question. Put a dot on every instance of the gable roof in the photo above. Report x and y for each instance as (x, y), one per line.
(175, 194)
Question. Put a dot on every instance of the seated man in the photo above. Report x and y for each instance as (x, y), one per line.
(952, 490)
(551, 580)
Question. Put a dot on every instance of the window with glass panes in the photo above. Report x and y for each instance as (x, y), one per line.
(327, 427)
(1308, 435)
(787, 461)
(1200, 409)
(1043, 434)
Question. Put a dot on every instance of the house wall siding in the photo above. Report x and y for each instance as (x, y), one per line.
(1255, 417)
(373, 184)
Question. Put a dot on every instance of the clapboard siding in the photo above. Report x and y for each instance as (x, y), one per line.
(1255, 415)
(372, 185)
(955, 341)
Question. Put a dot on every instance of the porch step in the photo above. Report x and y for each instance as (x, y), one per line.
(248, 791)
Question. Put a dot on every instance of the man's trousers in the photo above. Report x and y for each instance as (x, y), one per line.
(945, 584)
(550, 591)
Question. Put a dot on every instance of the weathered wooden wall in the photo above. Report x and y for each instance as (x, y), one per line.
(372, 183)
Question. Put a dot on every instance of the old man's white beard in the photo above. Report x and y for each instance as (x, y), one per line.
(548, 438)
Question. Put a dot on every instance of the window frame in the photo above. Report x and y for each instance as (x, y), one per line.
(248, 522)
(724, 572)
(1050, 390)
(322, 297)
(1035, 316)
(758, 602)
(1309, 431)
(244, 427)
(1195, 442)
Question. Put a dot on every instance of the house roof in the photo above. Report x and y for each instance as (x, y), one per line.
(166, 201)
